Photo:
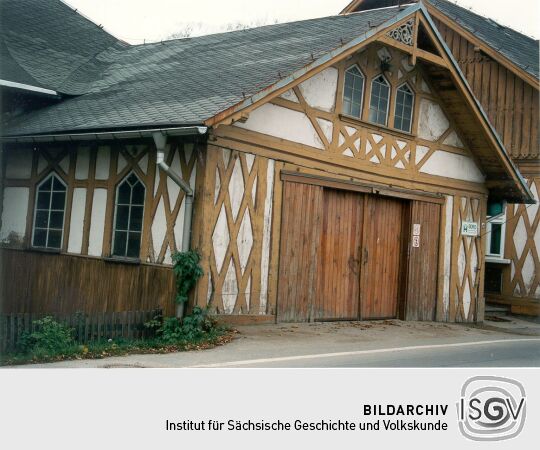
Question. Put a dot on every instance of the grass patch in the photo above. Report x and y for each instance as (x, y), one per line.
(52, 341)
(105, 349)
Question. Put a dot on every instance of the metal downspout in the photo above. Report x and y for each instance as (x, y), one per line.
(160, 140)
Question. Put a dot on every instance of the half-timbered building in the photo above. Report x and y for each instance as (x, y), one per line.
(501, 66)
(329, 169)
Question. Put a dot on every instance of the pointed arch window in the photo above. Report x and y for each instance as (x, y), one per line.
(128, 217)
(380, 99)
(49, 213)
(353, 92)
(404, 108)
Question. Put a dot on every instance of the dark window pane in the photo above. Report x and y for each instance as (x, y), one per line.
(46, 186)
(42, 219)
(138, 194)
(58, 200)
(349, 80)
(124, 193)
(120, 238)
(55, 239)
(57, 185)
(40, 238)
(356, 110)
(136, 218)
(495, 240)
(134, 242)
(57, 219)
(122, 217)
(43, 200)
(132, 179)
(347, 107)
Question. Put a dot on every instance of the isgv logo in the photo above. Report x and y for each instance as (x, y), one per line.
(491, 408)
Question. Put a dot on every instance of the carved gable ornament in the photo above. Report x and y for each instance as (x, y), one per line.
(404, 33)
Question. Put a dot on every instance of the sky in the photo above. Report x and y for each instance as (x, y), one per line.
(138, 21)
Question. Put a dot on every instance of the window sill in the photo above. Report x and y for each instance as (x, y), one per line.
(121, 260)
(497, 260)
(52, 251)
(382, 128)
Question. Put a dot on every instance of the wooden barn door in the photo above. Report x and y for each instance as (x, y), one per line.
(382, 258)
(319, 266)
(300, 236)
(423, 261)
(338, 268)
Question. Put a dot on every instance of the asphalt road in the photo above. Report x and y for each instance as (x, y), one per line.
(500, 354)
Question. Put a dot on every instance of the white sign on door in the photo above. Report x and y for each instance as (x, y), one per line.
(416, 229)
(469, 229)
(416, 241)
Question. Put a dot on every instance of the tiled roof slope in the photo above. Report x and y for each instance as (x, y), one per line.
(44, 41)
(518, 48)
(187, 81)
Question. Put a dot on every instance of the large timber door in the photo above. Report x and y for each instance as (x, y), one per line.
(321, 235)
(338, 267)
(300, 234)
(382, 257)
(342, 254)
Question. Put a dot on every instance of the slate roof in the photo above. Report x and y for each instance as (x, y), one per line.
(522, 50)
(178, 82)
(44, 42)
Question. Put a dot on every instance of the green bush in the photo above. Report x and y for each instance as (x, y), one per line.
(191, 328)
(187, 271)
(48, 336)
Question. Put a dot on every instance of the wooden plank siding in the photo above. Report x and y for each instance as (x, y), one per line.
(52, 283)
(510, 104)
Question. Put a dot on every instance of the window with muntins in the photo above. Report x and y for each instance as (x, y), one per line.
(49, 213)
(380, 98)
(495, 229)
(128, 217)
(404, 108)
(353, 92)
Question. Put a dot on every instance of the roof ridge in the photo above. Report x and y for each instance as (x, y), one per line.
(246, 30)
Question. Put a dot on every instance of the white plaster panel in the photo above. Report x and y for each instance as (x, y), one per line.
(432, 122)
(467, 298)
(244, 240)
(327, 128)
(14, 213)
(97, 224)
(283, 123)
(64, 164)
(319, 91)
(290, 95)
(520, 237)
(76, 226)
(453, 140)
(159, 227)
(451, 165)
(230, 289)
(83, 163)
(267, 231)
(103, 160)
(236, 189)
(19, 163)
(528, 272)
(220, 238)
